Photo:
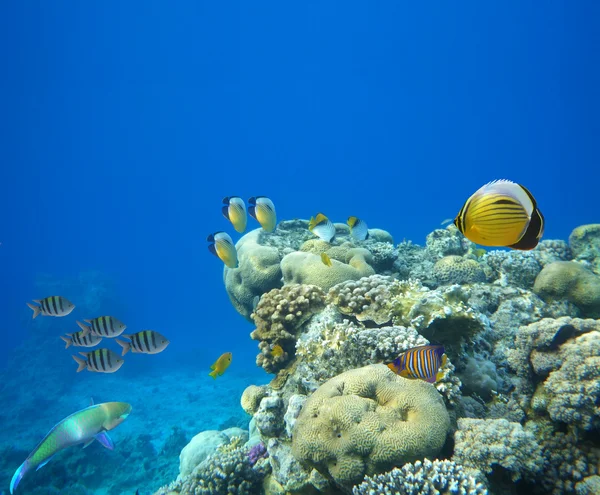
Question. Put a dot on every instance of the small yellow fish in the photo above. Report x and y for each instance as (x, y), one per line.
(220, 365)
(326, 259)
(223, 248)
(478, 252)
(277, 350)
(235, 211)
(262, 210)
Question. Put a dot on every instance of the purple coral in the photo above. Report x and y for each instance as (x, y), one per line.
(257, 452)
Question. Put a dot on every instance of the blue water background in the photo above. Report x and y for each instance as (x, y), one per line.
(123, 124)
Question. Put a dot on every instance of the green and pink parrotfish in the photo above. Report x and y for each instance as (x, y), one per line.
(84, 426)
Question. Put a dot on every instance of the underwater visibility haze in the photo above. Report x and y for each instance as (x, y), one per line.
(274, 248)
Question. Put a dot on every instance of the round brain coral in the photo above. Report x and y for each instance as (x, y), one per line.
(366, 421)
(458, 270)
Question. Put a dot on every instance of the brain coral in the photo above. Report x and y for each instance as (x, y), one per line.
(572, 281)
(307, 268)
(458, 270)
(278, 317)
(366, 421)
(257, 273)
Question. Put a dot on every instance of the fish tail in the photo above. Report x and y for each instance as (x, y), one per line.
(36, 310)
(81, 362)
(67, 340)
(213, 374)
(125, 345)
(18, 476)
(85, 329)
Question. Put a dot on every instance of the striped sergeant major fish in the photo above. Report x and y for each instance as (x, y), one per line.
(103, 326)
(145, 342)
(83, 426)
(420, 362)
(51, 306)
(80, 339)
(99, 360)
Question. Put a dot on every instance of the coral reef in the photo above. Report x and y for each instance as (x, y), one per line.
(251, 398)
(458, 270)
(585, 245)
(573, 282)
(437, 477)
(367, 420)
(278, 317)
(489, 444)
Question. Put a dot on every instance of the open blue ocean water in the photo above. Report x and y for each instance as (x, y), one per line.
(124, 124)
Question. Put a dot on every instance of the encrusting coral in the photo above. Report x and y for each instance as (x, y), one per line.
(427, 477)
(366, 421)
(585, 245)
(458, 270)
(278, 317)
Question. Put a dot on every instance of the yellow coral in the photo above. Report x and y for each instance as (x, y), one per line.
(367, 420)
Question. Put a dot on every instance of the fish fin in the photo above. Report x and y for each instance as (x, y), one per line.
(213, 249)
(88, 321)
(126, 336)
(36, 310)
(125, 345)
(439, 375)
(91, 401)
(85, 329)
(225, 211)
(44, 463)
(18, 476)
(88, 443)
(431, 379)
(105, 440)
(444, 360)
(252, 211)
(213, 374)
(392, 366)
(38, 301)
(67, 340)
(81, 362)
(404, 373)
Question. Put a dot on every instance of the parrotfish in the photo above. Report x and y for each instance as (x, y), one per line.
(221, 365)
(223, 248)
(103, 326)
(358, 228)
(52, 306)
(84, 427)
(145, 342)
(235, 211)
(262, 210)
(501, 214)
(322, 227)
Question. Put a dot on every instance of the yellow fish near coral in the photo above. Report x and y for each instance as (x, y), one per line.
(501, 214)
(322, 227)
(235, 211)
(220, 365)
(262, 210)
(277, 350)
(326, 259)
(223, 248)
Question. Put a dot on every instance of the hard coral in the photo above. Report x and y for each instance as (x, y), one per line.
(437, 477)
(251, 398)
(572, 281)
(487, 444)
(367, 420)
(585, 244)
(278, 318)
(458, 270)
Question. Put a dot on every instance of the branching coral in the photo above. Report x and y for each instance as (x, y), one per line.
(278, 318)
(427, 477)
(486, 444)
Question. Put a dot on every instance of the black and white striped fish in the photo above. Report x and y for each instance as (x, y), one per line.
(52, 306)
(358, 228)
(100, 360)
(103, 326)
(146, 342)
(80, 339)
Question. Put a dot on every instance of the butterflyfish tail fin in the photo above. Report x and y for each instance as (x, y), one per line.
(67, 340)
(36, 310)
(81, 362)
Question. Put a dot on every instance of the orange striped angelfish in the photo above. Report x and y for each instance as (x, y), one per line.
(501, 214)
(420, 362)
